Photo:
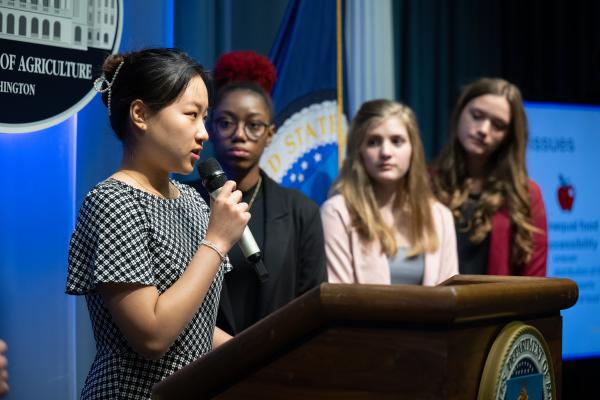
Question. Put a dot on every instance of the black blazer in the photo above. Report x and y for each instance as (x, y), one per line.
(293, 253)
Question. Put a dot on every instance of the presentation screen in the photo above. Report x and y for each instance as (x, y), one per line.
(563, 157)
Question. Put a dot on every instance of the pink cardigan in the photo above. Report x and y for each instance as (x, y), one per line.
(351, 260)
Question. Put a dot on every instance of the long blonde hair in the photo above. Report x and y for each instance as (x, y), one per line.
(506, 183)
(413, 197)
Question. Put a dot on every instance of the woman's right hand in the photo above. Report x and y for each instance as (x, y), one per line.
(228, 217)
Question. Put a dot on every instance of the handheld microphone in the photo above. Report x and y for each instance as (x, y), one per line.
(213, 178)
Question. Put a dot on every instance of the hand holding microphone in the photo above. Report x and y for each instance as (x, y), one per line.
(220, 189)
(228, 217)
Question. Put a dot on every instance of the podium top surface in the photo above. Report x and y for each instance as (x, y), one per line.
(463, 299)
(459, 299)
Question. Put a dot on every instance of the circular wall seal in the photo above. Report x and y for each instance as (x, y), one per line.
(518, 366)
(304, 153)
(50, 55)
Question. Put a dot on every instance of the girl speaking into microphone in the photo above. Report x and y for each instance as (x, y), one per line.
(147, 252)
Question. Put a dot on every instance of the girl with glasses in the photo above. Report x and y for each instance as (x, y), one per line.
(285, 223)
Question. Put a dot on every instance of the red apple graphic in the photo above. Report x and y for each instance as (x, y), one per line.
(566, 194)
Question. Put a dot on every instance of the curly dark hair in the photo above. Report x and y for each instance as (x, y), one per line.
(245, 66)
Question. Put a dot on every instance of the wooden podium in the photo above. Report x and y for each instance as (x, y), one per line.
(373, 341)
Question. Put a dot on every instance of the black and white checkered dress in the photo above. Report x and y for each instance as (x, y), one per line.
(127, 235)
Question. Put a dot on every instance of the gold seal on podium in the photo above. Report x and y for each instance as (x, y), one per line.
(518, 366)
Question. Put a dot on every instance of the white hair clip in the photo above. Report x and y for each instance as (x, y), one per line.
(102, 85)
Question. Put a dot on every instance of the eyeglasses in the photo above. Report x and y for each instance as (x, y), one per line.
(253, 129)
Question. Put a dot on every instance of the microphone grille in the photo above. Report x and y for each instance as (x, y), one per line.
(211, 174)
(209, 168)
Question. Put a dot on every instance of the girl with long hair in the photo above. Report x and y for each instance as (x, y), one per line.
(481, 176)
(382, 223)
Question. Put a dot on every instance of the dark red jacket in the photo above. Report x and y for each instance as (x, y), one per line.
(501, 239)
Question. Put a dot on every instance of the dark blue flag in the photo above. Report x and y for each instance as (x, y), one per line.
(311, 125)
